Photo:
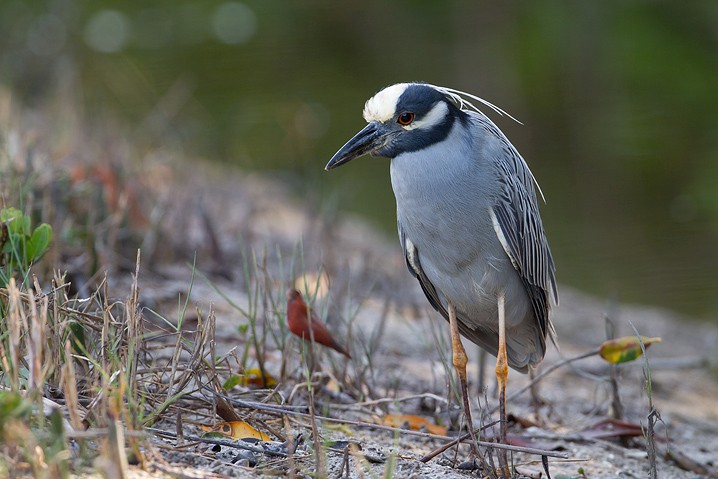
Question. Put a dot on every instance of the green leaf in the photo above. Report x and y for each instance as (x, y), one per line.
(39, 242)
(623, 350)
(232, 381)
(77, 336)
(8, 247)
(17, 222)
(15, 249)
(13, 406)
(8, 214)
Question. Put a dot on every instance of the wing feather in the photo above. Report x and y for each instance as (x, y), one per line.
(517, 223)
(411, 256)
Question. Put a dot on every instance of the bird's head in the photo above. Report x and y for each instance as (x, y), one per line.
(293, 294)
(402, 118)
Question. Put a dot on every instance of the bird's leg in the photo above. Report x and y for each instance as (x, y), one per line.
(481, 380)
(536, 400)
(458, 357)
(502, 374)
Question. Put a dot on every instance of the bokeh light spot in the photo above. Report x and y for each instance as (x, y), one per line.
(107, 31)
(234, 23)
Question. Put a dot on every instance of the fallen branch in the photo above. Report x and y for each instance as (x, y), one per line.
(281, 410)
(508, 447)
(219, 442)
(291, 411)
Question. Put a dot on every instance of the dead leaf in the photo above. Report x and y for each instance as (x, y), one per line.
(237, 430)
(523, 421)
(612, 429)
(253, 378)
(414, 422)
(625, 349)
(225, 410)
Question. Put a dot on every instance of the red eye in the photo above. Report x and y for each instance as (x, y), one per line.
(406, 118)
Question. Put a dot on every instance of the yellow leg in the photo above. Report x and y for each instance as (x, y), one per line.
(502, 374)
(458, 356)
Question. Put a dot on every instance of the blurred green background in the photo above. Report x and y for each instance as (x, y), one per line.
(618, 100)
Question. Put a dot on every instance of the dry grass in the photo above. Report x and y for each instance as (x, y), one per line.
(91, 377)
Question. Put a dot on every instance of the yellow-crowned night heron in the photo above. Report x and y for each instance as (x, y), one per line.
(468, 222)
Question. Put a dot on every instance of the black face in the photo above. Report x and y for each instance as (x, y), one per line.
(415, 103)
(396, 135)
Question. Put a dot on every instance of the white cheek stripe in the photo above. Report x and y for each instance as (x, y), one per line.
(435, 116)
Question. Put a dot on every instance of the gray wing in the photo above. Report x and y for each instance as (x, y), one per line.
(518, 225)
(411, 256)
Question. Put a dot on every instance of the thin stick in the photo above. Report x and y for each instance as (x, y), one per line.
(548, 370)
(391, 400)
(507, 447)
(279, 410)
(219, 442)
(652, 414)
(449, 445)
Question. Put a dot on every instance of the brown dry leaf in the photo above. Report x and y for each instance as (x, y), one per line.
(237, 430)
(612, 429)
(625, 349)
(414, 422)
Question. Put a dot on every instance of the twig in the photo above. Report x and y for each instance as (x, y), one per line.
(292, 443)
(544, 463)
(449, 445)
(345, 464)
(375, 402)
(687, 362)
(218, 441)
(279, 410)
(319, 456)
(653, 414)
(548, 370)
(616, 403)
(506, 447)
